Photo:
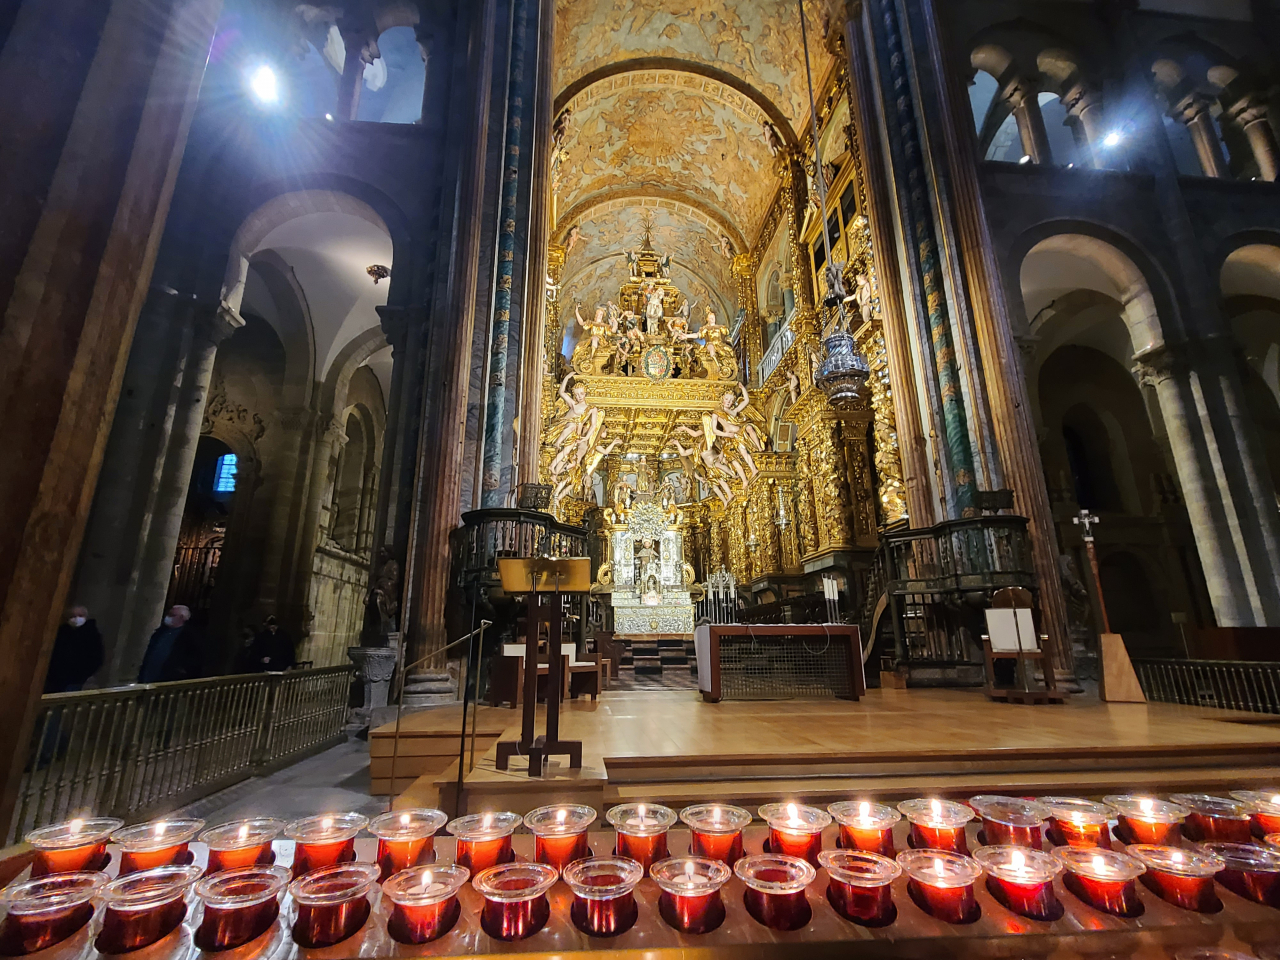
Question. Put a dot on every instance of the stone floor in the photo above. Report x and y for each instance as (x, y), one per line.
(672, 678)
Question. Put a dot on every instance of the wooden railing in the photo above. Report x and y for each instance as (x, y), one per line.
(133, 751)
(487, 536)
(1253, 686)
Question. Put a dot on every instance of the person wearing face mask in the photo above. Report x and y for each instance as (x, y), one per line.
(77, 653)
(173, 652)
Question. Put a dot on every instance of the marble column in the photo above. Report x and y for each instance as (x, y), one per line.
(213, 325)
(1251, 115)
(1194, 113)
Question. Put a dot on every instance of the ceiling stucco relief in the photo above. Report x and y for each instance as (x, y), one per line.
(669, 130)
(756, 41)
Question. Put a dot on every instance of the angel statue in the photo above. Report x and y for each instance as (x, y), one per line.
(714, 471)
(716, 356)
(633, 261)
(579, 420)
(591, 353)
(664, 266)
(863, 293)
(727, 433)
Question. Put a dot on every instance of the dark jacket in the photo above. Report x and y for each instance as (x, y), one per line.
(272, 651)
(173, 653)
(77, 656)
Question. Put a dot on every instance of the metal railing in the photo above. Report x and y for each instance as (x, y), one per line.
(1253, 686)
(133, 751)
(489, 535)
(957, 556)
(782, 341)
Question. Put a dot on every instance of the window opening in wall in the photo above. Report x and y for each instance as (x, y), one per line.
(1062, 141)
(224, 474)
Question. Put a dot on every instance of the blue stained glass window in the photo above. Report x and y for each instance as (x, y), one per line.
(224, 474)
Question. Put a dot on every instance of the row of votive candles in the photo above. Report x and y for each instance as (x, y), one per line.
(241, 889)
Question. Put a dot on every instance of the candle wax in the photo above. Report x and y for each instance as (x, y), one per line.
(1035, 901)
(948, 904)
(22, 933)
(1111, 896)
(868, 906)
(422, 923)
(645, 851)
(312, 856)
(225, 927)
(323, 925)
(515, 920)
(477, 855)
(559, 852)
(1066, 832)
(725, 847)
(396, 855)
(793, 843)
(1137, 830)
(778, 911)
(996, 833)
(132, 861)
(1200, 827)
(1189, 893)
(604, 918)
(126, 930)
(924, 837)
(260, 855)
(868, 841)
(91, 857)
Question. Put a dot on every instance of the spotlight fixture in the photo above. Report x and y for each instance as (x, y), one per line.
(378, 272)
(264, 85)
(1026, 158)
(1112, 139)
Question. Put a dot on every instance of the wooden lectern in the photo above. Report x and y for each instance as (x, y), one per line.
(543, 580)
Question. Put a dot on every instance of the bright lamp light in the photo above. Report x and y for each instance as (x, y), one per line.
(264, 85)
(1112, 139)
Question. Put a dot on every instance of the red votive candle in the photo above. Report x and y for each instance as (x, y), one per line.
(1181, 877)
(1104, 879)
(1021, 880)
(144, 907)
(333, 903)
(45, 911)
(1146, 819)
(1264, 809)
(241, 843)
(324, 841)
(1078, 823)
(865, 826)
(240, 905)
(75, 846)
(424, 902)
(406, 838)
(775, 889)
(715, 830)
(641, 831)
(941, 883)
(1214, 818)
(515, 899)
(484, 839)
(1252, 872)
(560, 833)
(159, 843)
(604, 904)
(690, 900)
(1009, 820)
(859, 886)
(937, 824)
(795, 830)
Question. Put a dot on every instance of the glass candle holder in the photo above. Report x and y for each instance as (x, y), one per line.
(74, 846)
(1264, 809)
(1252, 872)
(691, 901)
(775, 889)
(560, 833)
(515, 899)
(333, 903)
(47, 910)
(865, 826)
(859, 886)
(795, 830)
(937, 824)
(144, 907)
(715, 830)
(1078, 823)
(406, 838)
(160, 843)
(1146, 819)
(941, 884)
(1214, 818)
(604, 904)
(1021, 880)
(322, 841)
(1009, 820)
(240, 905)
(1104, 879)
(241, 843)
(1181, 877)
(484, 839)
(641, 831)
(424, 902)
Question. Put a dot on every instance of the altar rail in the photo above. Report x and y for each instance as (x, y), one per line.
(487, 536)
(134, 751)
(1253, 686)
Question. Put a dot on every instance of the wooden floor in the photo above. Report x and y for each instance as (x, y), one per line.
(893, 744)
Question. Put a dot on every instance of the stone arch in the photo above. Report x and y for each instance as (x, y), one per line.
(333, 396)
(291, 322)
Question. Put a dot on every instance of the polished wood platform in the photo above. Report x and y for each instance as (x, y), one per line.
(671, 747)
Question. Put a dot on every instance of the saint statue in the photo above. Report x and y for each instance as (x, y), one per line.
(652, 310)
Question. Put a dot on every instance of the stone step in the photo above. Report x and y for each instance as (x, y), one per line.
(648, 665)
(428, 699)
(429, 686)
(673, 657)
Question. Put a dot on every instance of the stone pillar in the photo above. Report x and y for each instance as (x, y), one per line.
(1194, 112)
(156, 568)
(1085, 108)
(361, 50)
(283, 481)
(1021, 96)
(1251, 114)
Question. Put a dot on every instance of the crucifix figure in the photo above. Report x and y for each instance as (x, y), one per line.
(1085, 520)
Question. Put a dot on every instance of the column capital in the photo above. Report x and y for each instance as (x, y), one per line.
(1079, 98)
(1248, 109)
(396, 322)
(216, 322)
(1159, 363)
(1191, 107)
(294, 418)
(333, 431)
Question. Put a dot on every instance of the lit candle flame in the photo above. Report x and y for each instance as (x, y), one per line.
(1078, 818)
(715, 818)
(77, 825)
(793, 815)
(1145, 805)
(688, 869)
(1018, 861)
(1177, 856)
(160, 828)
(1099, 864)
(404, 819)
(487, 821)
(561, 814)
(426, 881)
(938, 867)
(243, 832)
(326, 823)
(864, 811)
(640, 811)
(1276, 800)
(936, 807)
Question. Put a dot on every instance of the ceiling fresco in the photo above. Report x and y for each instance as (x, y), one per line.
(682, 133)
(756, 41)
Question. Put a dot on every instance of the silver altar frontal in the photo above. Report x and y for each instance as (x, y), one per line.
(646, 578)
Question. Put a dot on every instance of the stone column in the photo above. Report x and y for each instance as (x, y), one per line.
(1022, 97)
(213, 326)
(1085, 107)
(1251, 114)
(361, 50)
(283, 486)
(1194, 112)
